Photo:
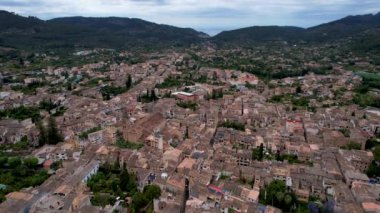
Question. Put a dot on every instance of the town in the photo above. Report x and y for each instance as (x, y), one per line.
(189, 131)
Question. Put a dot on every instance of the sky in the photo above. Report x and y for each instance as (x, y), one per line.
(210, 16)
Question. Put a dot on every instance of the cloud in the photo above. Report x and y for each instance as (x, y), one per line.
(211, 16)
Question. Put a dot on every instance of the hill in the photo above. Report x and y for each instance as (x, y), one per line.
(343, 28)
(125, 33)
(33, 33)
(260, 34)
(346, 27)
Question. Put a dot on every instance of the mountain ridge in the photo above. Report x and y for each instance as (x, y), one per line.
(117, 32)
(109, 32)
(345, 27)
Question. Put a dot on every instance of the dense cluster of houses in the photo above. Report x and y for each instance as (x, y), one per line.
(199, 164)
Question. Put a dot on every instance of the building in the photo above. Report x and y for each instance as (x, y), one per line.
(184, 96)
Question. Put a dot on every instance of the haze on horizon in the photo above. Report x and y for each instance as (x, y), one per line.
(211, 17)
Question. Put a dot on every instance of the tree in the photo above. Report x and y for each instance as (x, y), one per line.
(128, 83)
(298, 89)
(114, 185)
(116, 164)
(47, 105)
(256, 154)
(376, 153)
(106, 96)
(153, 96)
(261, 152)
(3, 161)
(139, 201)
(42, 140)
(280, 196)
(370, 143)
(152, 192)
(31, 162)
(56, 165)
(132, 185)
(373, 169)
(276, 194)
(278, 156)
(187, 132)
(20, 171)
(13, 162)
(54, 135)
(288, 199)
(124, 180)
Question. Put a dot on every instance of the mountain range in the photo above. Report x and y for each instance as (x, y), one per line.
(112, 32)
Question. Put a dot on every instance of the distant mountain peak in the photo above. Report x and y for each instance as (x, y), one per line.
(345, 27)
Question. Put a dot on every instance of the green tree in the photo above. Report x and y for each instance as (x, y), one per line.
(376, 153)
(261, 152)
(132, 185)
(42, 140)
(114, 185)
(278, 156)
(3, 161)
(116, 164)
(153, 96)
(31, 162)
(20, 171)
(288, 199)
(276, 194)
(22, 144)
(54, 136)
(280, 196)
(152, 192)
(128, 83)
(47, 105)
(124, 180)
(298, 89)
(107, 96)
(56, 165)
(372, 142)
(139, 201)
(271, 190)
(13, 162)
(373, 169)
(187, 132)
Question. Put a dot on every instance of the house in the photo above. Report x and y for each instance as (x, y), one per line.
(156, 141)
(368, 195)
(172, 156)
(350, 176)
(63, 190)
(371, 207)
(215, 193)
(89, 170)
(294, 126)
(186, 165)
(250, 195)
(357, 158)
(175, 184)
(80, 201)
(184, 96)
(96, 137)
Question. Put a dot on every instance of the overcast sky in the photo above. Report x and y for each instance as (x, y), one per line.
(210, 16)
